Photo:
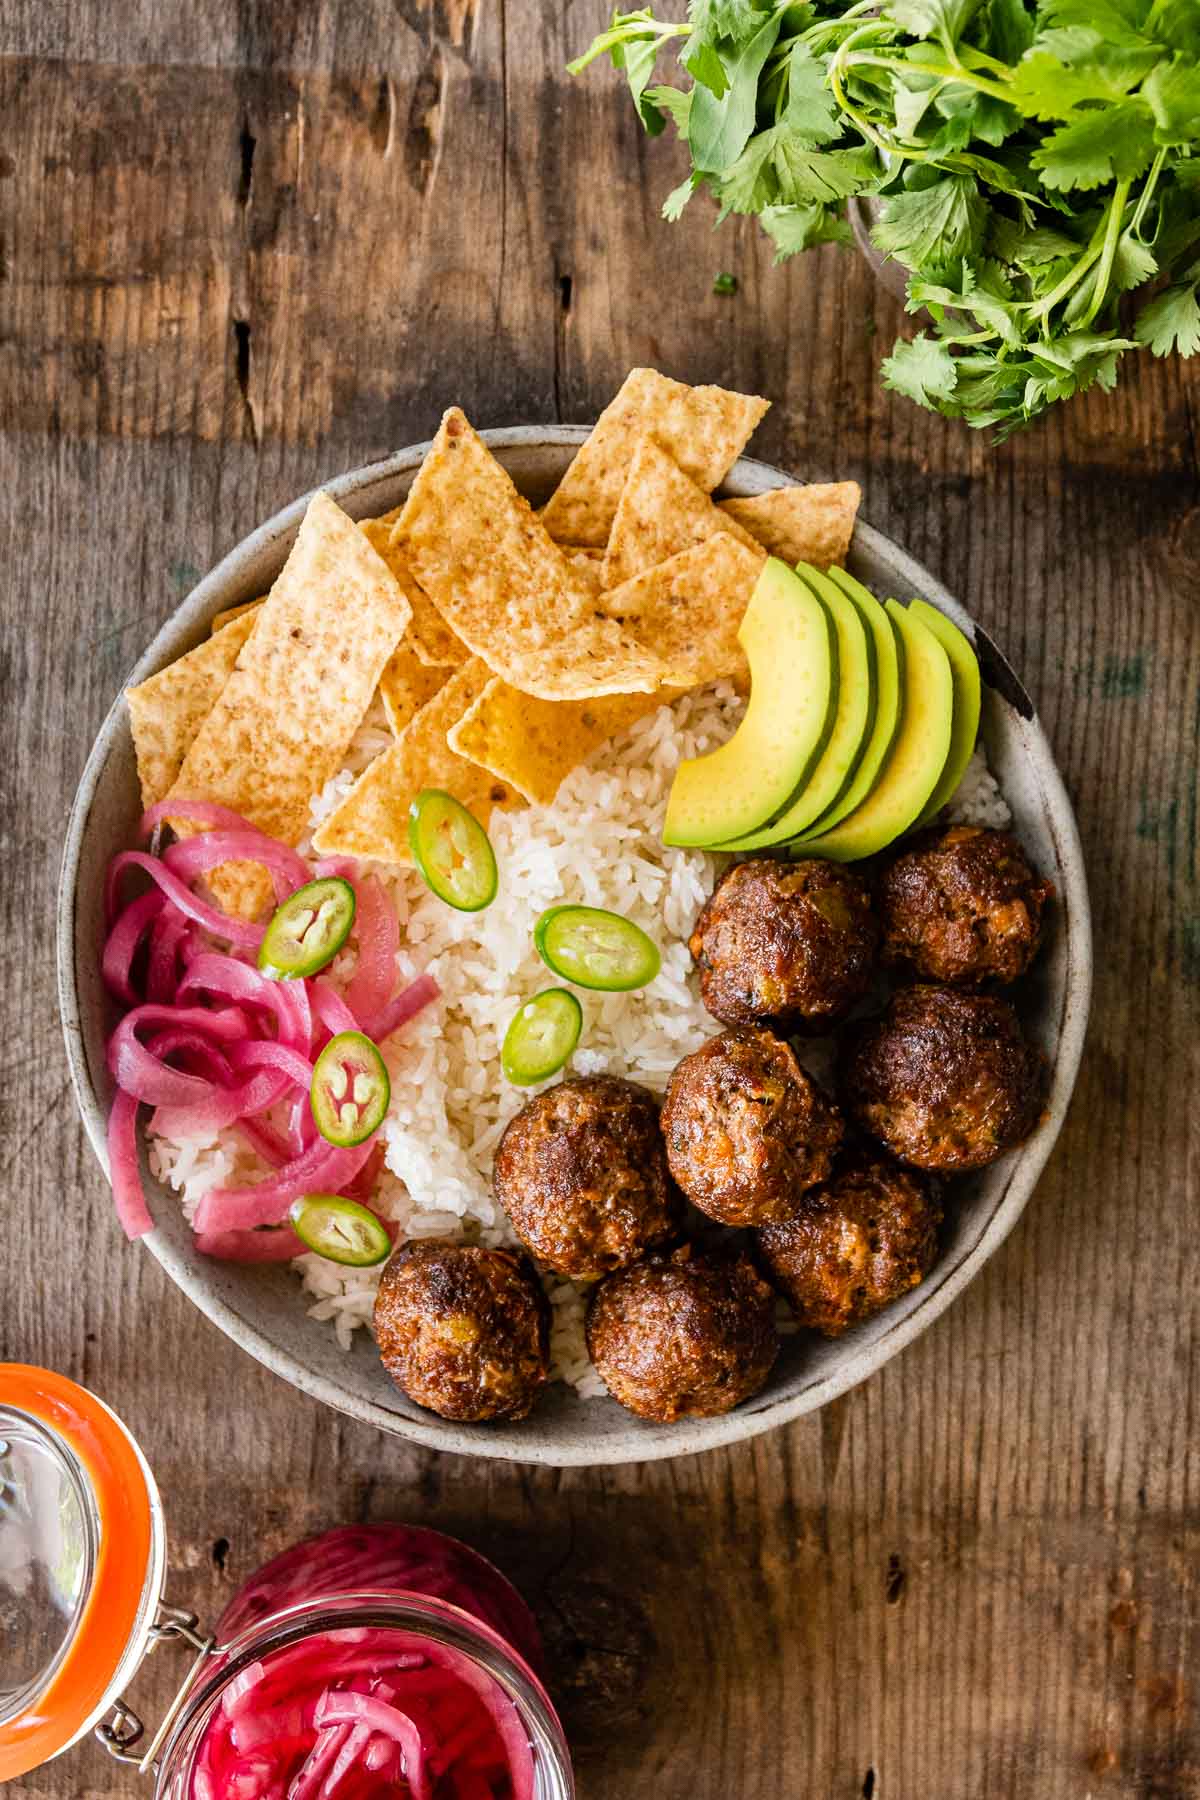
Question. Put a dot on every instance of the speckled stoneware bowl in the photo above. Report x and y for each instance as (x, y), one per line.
(263, 1310)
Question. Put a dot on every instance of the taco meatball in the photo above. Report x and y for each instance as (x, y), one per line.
(582, 1174)
(687, 1334)
(858, 1242)
(462, 1330)
(943, 1080)
(963, 906)
(785, 944)
(747, 1131)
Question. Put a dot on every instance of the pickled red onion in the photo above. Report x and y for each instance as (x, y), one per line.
(402, 1007)
(322, 1169)
(138, 1071)
(348, 1707)
(377, 932)
(332, 1010)
(167, 937)
(192, 856)
(123, 1170)
(123, 942)
(235, 931)
(199, 812)
(217, 974)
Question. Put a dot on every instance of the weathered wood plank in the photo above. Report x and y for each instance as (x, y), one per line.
(976, 1574)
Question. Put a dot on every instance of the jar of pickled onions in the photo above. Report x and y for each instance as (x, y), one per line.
(375, 1662)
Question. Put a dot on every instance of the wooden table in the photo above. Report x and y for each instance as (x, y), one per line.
(246, 244)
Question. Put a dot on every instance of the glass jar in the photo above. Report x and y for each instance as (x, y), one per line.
(376, 1658)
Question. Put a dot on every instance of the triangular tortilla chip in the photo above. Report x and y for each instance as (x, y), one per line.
(298, 692)
(407, 684)
(372, 820)
(167, 710)
(810, 524)
(690, 607)
(703, 429)
(222, 619)
(661, 512)
(429, 636)
(503, 586)
(534, 744)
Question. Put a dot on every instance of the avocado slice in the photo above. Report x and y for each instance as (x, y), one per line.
(889, 672)
(964, 670)
(833, 770)
(918, 757)
(789, 639)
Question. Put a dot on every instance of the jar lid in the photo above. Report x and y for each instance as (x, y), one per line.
(82, 1549)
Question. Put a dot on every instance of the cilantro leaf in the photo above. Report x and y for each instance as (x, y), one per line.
(637, 57)
(1010, 29)
(674, 103)
(706, 68)
(946, 19)
(1110, 143)
(795, 228)
(719, 128)
(933, 228)
(678, 198)
(811, 109)
(1173, 93)
(820, 175)
(1170, 322)
(1117, 21)
(923, 370)
(737, 20)
(1066, 69)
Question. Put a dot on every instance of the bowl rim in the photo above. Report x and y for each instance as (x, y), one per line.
(765, 1412)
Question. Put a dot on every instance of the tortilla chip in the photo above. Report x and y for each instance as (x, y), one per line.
(298, 692)
(429, 636)
(587, 564)
(372, 820)
(810, 524)
(407, 684)
(222, 619)
(661, 512)
(690, 607)
(703, 429)
(167, 710)
(503, 586)
(534, 744)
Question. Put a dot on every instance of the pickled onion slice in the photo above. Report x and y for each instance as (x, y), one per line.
(123, 1170)
(242, 932)
(322, 1169)
(123, 942)
(377, 932)
(349, 1707)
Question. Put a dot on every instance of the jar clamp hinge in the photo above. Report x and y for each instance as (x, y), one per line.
(122, 1730)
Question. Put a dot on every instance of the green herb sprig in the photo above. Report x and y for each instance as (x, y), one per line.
(1027, 167)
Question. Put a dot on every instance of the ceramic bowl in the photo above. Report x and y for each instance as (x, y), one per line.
(262, 1309)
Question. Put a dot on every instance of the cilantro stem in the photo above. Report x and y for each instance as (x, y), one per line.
(1139, 211)
(955, 72)
(631, 29)
(1112, 233)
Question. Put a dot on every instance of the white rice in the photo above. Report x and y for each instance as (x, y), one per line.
(599, 844)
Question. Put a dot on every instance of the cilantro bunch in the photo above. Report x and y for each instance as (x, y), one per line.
(1028, 167)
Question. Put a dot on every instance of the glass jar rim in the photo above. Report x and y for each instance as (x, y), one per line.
(353, 1609)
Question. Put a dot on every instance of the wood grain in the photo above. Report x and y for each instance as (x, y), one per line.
(245, 244)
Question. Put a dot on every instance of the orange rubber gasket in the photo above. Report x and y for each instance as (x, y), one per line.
(125, 1507)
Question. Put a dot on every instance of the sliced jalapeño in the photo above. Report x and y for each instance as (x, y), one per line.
(452, 851)
(308, 930)
(341, 1230)
(350, 1090)
(541, 1037)
(596, 949)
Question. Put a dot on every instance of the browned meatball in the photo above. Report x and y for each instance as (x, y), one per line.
(462, 1330)
(962, 905)
(858, 1242)
(943, 1079)
(683, 1335)
(785, 944)
(747, 1130)
(582, 1173)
